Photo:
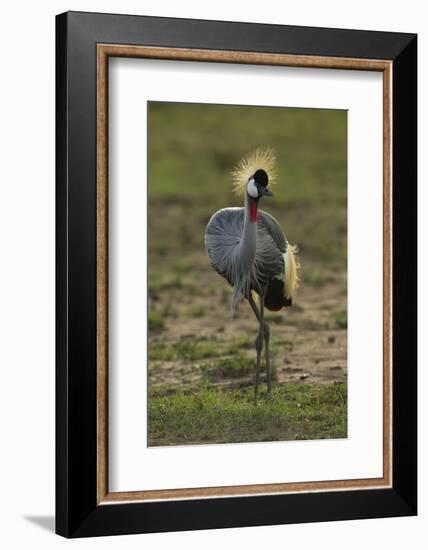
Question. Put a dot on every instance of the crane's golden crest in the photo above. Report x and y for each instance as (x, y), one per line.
(260, 159)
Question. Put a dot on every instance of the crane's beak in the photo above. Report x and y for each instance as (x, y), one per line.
(267, 192)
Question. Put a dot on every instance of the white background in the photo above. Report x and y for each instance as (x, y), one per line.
(132, 83)
(27, 275)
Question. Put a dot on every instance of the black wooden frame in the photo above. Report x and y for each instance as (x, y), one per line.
(77, 513)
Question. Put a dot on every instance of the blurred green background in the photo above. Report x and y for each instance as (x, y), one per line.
(192, 149)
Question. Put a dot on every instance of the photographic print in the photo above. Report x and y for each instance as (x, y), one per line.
(247, 274)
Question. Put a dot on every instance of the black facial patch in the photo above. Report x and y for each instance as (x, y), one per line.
(261, 178)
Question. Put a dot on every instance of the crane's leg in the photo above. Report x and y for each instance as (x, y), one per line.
(266, 336)
(259, 341)
(254, 307)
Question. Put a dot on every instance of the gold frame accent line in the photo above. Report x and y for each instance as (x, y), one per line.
(102, 275)
(104, 51)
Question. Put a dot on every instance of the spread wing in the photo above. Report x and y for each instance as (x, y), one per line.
(222, 236)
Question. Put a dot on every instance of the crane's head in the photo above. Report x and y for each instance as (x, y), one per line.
(255, 174)
(257, 185)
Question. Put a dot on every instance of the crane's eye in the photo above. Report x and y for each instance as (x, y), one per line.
(252, 188)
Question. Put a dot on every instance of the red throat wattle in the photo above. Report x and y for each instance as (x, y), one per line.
(253, 210)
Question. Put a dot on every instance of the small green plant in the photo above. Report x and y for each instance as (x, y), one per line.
(166, 283)
(340, 319)
(156, 322)
(234, 346)
(229, 367)
(189, 349)
(182, 265)
(195, 311)
(286, 345)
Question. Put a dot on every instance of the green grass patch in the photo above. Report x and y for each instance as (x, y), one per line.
(195, 311)
(274, 318)
(156, 321)
(238, 344)
(165, 283)
(317, 278)
(186, 348)
(204, 415)
(286, 345)
(340, 319)
(229, 367)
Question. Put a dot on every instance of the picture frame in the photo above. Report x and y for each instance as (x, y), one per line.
(84, 44)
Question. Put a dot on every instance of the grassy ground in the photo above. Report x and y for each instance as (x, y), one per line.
(206, 415)
(201, 362)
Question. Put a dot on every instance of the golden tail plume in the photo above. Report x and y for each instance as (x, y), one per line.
(291, 280)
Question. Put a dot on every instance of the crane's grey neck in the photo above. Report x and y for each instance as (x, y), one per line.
(245, 252)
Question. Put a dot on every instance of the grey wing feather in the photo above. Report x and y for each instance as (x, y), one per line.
(222, 236)
(269, 223)
(271, 248)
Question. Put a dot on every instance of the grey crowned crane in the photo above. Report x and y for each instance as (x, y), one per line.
(248, 248)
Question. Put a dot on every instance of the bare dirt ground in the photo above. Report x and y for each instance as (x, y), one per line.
(308, 340)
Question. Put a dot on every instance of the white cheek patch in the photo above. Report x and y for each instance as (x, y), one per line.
(252, 189)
